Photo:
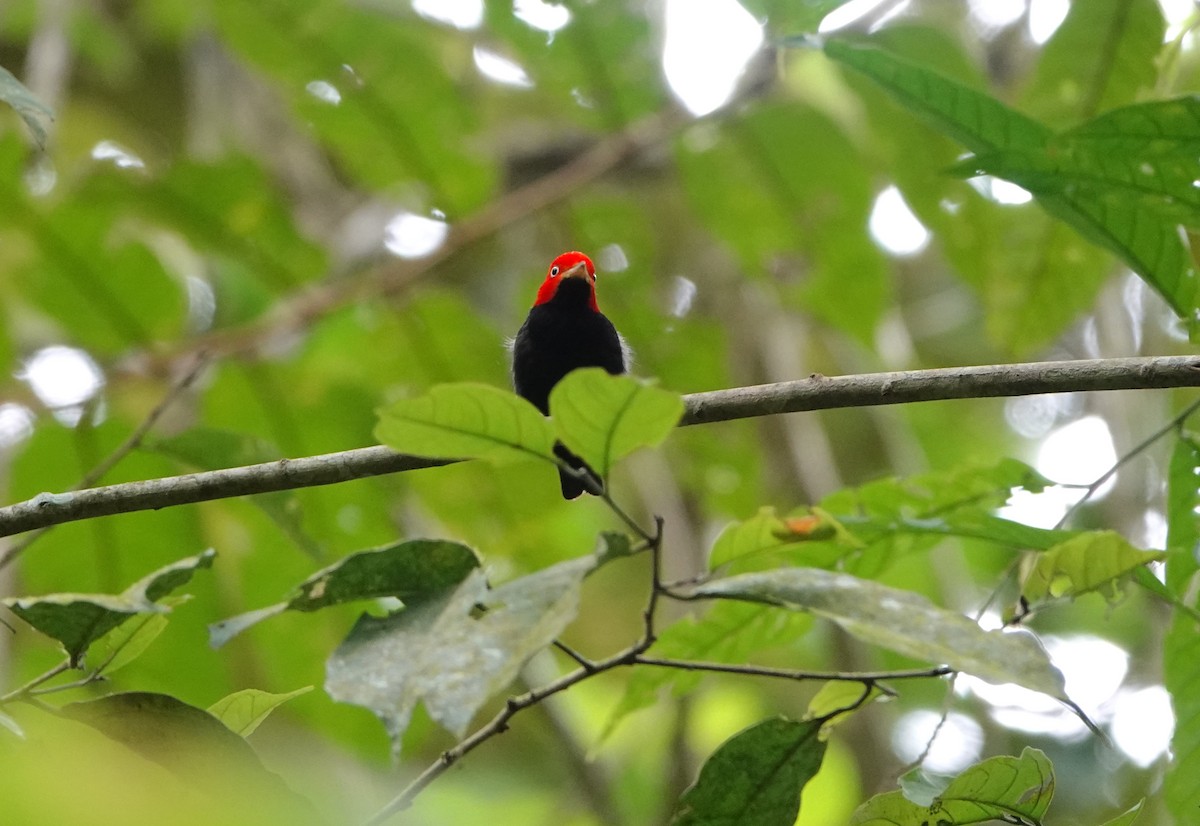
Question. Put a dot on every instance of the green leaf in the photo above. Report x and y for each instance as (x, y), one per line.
(837, 700)
(973, 118)
(604, 418)
(413, 571)
(455, 652)
(1102, 55)
(1128, 817)
(755, 777)
(129, 640)
(243, 711)
(467, 421)
(766, 533)
(37, 115)
(78, 620)
(1087, 562)
(1013, 789)
(1181, 647)
(902, 621)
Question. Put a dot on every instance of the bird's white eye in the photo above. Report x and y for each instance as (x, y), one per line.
(554, 271)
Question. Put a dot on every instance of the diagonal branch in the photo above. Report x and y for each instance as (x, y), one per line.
(814, 393)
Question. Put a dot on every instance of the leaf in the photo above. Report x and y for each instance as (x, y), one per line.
(973, 118)
(1084, 563)
(78, 620)
(1127, 817)
(467, 421)
(1101, 56)
(603, 418)
(412, 571)
(243, 711)
(129, 640)
(766, 533)
(37, 115)
(755, 777)
(1013, 789)
(1181, 646)
(455, 652)
(901, 621)
(837, 700)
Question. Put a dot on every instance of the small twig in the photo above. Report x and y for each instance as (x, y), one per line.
(791, 674)
(1136, 450)
(496, 725)
(29, 687)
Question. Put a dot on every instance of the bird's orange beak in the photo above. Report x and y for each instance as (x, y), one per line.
(580, 270)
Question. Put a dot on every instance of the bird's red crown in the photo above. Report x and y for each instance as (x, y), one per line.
(568, 265)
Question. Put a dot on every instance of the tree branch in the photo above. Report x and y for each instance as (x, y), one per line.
(814, 393)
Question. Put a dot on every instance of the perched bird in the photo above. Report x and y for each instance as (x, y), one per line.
(565, 330)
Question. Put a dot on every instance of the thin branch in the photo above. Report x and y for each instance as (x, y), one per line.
(131, 443)
(814, 393)
(792, 674)
(1136, 450)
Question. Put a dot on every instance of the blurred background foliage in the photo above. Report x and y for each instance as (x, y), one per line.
(337, 204)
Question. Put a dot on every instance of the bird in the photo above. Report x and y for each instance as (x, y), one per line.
(565, 330)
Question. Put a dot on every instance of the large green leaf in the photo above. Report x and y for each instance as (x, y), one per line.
(413, 571)
(78, 620)
(1181, 648)
(1151, 246)
(455, 652)
(1089, 562)
(902, 621)
(1008, 789)
(755, 777)
(467, 421)
(604, 418)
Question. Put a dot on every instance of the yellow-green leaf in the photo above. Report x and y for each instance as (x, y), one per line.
(603, 418)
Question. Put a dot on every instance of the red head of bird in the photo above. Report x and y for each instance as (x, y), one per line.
(568, 265)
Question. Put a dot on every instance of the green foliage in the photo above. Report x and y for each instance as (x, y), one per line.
(235, 182)
(1017, 789)
(902, 621)
(604, 418)
(78, 620)
(755, 777)
(414, 571)
(467, 421)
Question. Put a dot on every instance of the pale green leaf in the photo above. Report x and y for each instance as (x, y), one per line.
(901, 621)
(1088, 562)
(1181, 647)
(455, 652)
(243, 711)
(1012, 789)
(467, 421)
(129, 640)
(604, 418)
